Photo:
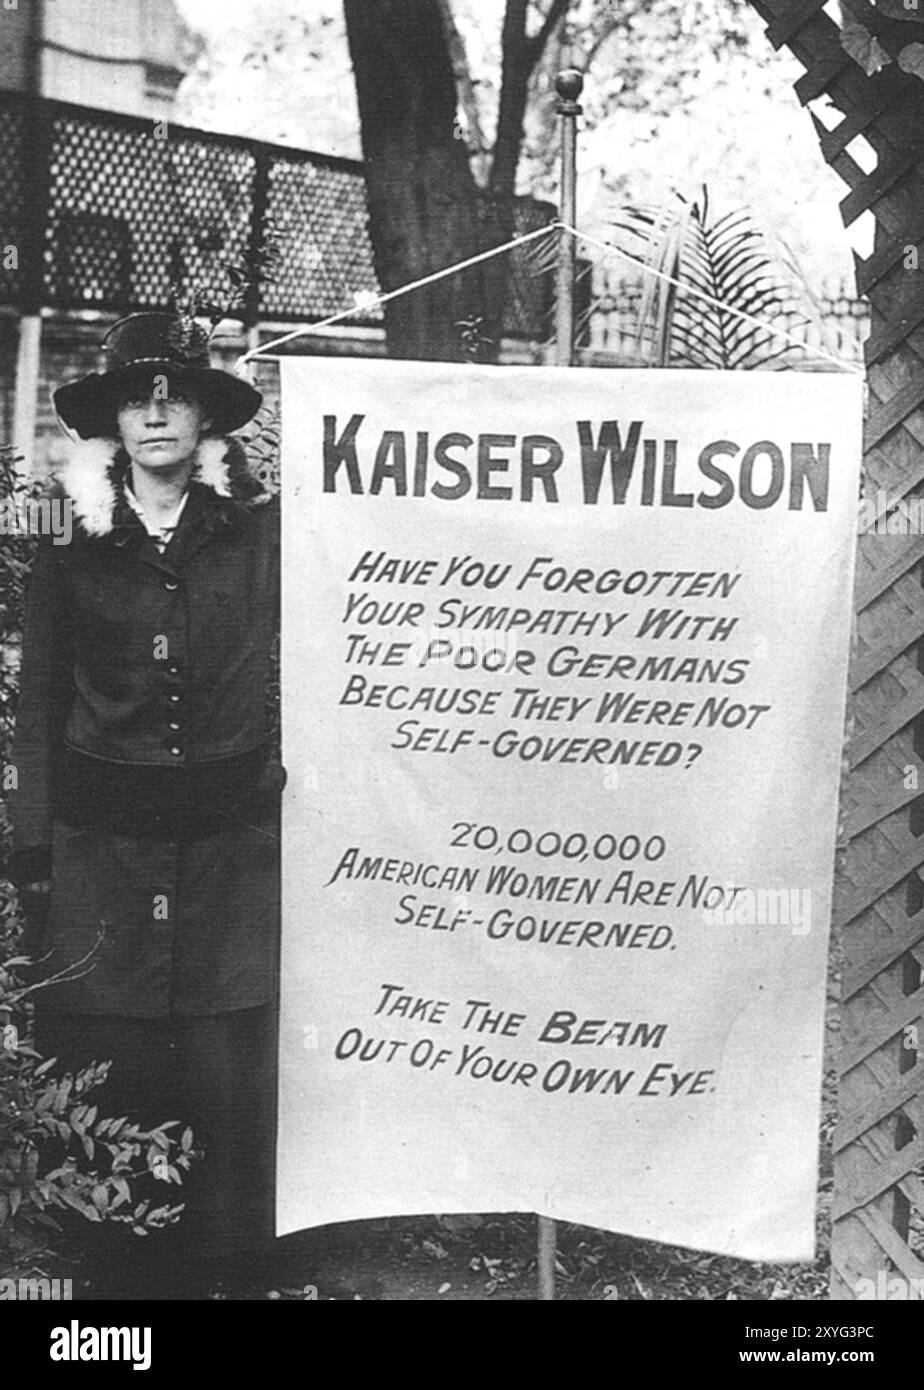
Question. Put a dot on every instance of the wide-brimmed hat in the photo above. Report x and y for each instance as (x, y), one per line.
(144, 345)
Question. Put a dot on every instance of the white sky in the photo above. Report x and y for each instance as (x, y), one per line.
(218, 16)
(214, 15)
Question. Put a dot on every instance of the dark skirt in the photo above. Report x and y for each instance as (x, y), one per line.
(165, 921)
(216, 1074)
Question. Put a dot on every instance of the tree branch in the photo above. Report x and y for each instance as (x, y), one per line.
(511, 107)
(536, 45)
(465, 85)
(598, 43)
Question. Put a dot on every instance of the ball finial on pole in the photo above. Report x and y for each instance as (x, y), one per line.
(569, 84)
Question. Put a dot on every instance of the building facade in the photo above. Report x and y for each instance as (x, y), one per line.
(117, 55)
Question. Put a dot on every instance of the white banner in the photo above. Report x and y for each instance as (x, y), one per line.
(564, 663)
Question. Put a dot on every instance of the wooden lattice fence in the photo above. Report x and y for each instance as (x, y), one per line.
(879, 1141)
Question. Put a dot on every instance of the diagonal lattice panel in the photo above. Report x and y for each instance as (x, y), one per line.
(879, 895)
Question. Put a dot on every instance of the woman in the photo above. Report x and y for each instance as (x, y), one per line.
(148, 785)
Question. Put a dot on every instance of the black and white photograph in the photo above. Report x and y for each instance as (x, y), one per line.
(462, 681)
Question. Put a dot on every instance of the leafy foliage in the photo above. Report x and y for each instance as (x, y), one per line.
(724, 268)
(889, 25)
(269, 72)
(15, 559)
(58, 1151)
(197, 309)
(262, 439)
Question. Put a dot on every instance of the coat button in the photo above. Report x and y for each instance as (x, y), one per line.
(172, 668)
(175, 697)
(175, 750)
(174, 726)
(171, 585)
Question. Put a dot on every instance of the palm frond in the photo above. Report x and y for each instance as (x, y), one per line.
(713, 291)
(732, 287)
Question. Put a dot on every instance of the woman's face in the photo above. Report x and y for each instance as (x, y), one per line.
(160, 423)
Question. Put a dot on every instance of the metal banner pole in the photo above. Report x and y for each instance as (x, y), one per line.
(568, 84)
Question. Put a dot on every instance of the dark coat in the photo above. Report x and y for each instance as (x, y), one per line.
(144, 744)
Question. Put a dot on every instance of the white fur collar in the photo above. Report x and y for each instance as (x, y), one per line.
(88, 479)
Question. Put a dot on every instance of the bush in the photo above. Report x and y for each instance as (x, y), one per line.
(57, 1151)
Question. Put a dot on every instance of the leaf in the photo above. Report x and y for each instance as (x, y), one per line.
(79, 1203)
(911, 59)
(64, 1091)
(863, 47)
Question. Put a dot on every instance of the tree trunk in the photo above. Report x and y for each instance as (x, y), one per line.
(520, 58)
(500, 212)
(423, 210)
